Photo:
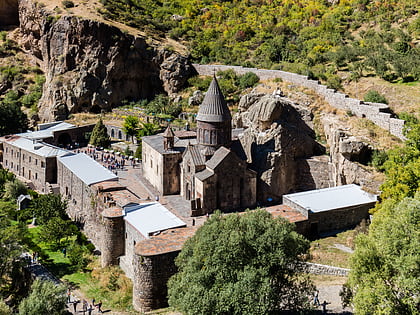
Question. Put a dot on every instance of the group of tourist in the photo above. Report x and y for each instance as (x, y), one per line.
(87, 308)
(111, 160)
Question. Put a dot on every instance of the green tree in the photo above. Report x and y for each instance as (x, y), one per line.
(241, 264)
(385, 273)
(131, 125)
(10, 252)
(45, 298)
(12, 119)
(49, 206)
(55, 229)
(13, 189)
(4, 309)
(99, 136)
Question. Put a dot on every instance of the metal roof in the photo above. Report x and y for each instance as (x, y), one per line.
(38, 148)
(47, 131)
(331, 198)
(214, 107)
(156, 142)
(151, 218)
(87, 169)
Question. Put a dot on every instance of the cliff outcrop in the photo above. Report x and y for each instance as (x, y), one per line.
(91, 66)
(276, 137)
(279, 143)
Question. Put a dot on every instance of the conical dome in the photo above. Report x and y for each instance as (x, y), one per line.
(214, 107)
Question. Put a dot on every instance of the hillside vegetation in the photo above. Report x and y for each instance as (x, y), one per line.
(318, 38)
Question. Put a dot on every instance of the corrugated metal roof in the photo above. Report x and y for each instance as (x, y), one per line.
(87, 169)
(38, 148)
(152, 217)
(332, 198)
(214, 107)
(46, 132)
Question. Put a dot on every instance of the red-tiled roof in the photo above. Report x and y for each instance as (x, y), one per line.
(113, 212)
(166, 242)
(286, 212)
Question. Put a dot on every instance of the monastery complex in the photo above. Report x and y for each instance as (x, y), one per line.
(202, 169)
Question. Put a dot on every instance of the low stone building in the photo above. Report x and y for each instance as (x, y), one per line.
(332, 209)
(32, 161)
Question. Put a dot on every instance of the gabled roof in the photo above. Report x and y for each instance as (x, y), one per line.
(168, 133)
(152, 217)
(34, 146)
(218, 156)
(196, 156)
(214, 107)
(203, 175)
(87, 169)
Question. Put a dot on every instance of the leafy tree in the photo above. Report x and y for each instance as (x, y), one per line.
(385, 274)
(12, 119)
(241, 264)
(375, 97)
(45, 298)
(10, 252)
(161, 104)
(77, 255)
(13, 189)
(4, 309)
(55, 229)
(49, 206)
(99, 136)
(147, 129)
(131, 125)
(247, 80)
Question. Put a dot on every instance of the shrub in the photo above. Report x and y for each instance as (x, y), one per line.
(67, 4)
(247, 80)
(375, 97)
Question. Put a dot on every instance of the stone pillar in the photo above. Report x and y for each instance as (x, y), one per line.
(113, 240)
(151, 274)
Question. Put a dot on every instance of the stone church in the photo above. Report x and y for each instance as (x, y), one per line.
(205, 169)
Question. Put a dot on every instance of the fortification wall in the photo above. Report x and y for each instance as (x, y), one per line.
(378, 113)
(319, 269)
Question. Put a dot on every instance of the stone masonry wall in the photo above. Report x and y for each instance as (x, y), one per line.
(377, 113)
(319, 269)
(151, 275)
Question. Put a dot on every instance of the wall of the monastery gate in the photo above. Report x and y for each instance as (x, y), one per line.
(313, 173)
(377, 113)
(116, 132)
(152, 162)
(171, 173)
(150, 281)
(32, 167)
(338, 219)
(132, 237)
(77, 134)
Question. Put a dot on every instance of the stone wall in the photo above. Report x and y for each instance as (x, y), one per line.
(377, 113)
(313, 173)
(152, 274)
(132, 237)
(319, 269)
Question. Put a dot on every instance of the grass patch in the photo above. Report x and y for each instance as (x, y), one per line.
(324, 251)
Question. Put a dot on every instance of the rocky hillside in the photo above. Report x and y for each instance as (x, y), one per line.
(91, 66)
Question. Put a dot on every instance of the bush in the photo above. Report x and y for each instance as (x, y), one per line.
(379, 157)
(375, 97)
(67, 4)
(77, 256)
(247, 80)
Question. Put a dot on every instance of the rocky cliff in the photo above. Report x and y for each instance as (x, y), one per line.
(279, 143)
(9, 12)
(277, 135)
(91, 66)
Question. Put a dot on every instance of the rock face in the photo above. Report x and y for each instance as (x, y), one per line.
(348, 154)
(276, 137)
(91, 66)
(9, 12)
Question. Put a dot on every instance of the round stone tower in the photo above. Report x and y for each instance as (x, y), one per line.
(214, 121)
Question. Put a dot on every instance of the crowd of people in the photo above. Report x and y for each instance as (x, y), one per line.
(87, 308)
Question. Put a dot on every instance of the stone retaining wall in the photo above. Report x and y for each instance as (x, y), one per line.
(378, 113)
(319, 269)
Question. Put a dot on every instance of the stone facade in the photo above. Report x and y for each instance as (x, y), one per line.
(377, 113)
(117, 132)
(30, 160)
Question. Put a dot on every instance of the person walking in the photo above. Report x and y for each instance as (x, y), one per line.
(99, 305)
(75, 302)
(316, 299)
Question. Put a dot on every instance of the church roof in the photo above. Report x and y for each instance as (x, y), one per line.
(220, 154)
(214, 107)
(196, 156)
(168, 133)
